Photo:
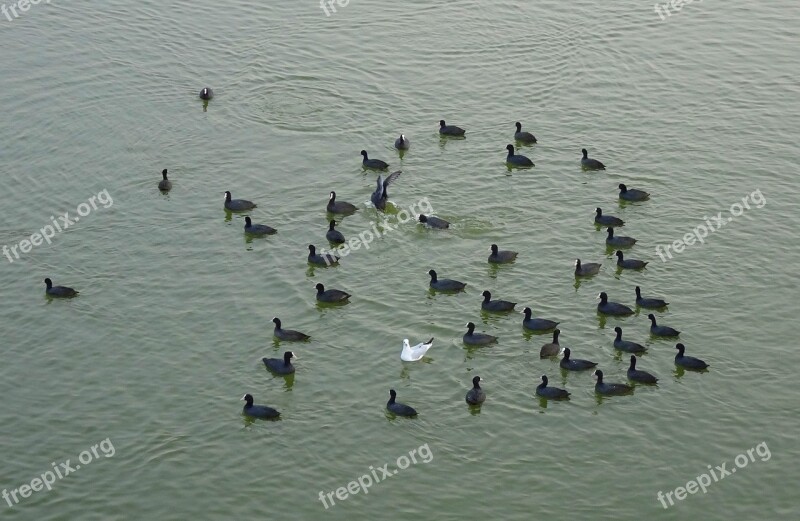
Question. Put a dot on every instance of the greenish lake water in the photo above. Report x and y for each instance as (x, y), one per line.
(700, 109)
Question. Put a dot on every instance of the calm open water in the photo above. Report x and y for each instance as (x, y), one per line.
(700, 109)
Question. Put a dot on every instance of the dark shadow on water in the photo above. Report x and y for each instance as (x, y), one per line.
(408, 367)
(544, 402)
(600, 398)
(323, 306)
(602, 319)
(434, 292)
(582, 279)
(495, 268)
(529, 335)
(249, 420)
(680, 371)
(444, 139)
(471, 351)
(393, 417)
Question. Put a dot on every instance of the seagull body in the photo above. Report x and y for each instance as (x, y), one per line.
(413, 353)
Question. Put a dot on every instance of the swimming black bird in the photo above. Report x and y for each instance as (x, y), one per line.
(626, 345)
(288, 335)
(632, 194)
(688, 362)
(661, 330)
(434, 222)
(619, 241)
(333, 235)
(551, 349)
(322, 259)
(331, 295)
(398, 408)
(58, 291)
(652, 303)
(449, 130)
(495, 305)
(629, 264)
(517, 159)
(402, 143)
(590, 164)
(281, 366)
(551, 393)
(237, 205)
(477, 339)
(606, 220)
(586, 270)
(575, 364)
(375, 164)
(258, 411)
(257, 229)
(339, 207)
(380, 195)
(445, 284)
(501, 256)
(476, 395)
(536, 324)
(523, 137)
(165, 185)
(610, 389)
(637, 375)
(612, 308)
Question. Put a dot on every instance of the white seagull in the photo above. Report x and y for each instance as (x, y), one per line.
(412, 354)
